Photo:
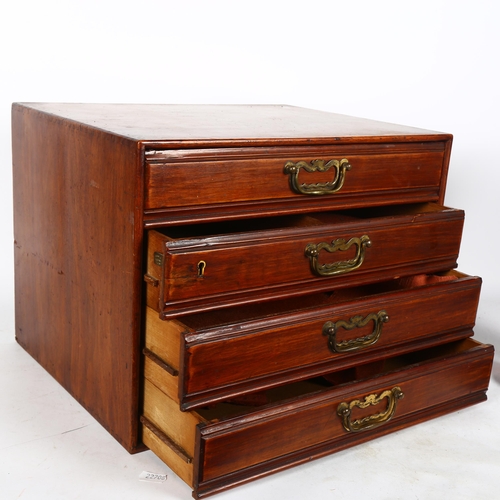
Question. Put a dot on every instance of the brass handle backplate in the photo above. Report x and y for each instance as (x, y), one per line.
(331, 328)
(341, 166)
(312, 251)
(344, 410)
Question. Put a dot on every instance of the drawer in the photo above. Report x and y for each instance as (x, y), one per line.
(219, 354)
(224, 445)
(229, 182)
(200, 267)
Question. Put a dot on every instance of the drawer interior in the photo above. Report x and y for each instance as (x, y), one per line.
(278, 395)
(228, 316)
(225, 228)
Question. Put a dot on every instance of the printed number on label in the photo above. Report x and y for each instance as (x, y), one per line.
(152, 477)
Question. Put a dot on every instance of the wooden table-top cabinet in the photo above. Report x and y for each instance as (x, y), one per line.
(241, 288)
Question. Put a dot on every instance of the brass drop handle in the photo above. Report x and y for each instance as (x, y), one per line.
(331, 328)
(312, 251)
(344, 410)
(340, 166)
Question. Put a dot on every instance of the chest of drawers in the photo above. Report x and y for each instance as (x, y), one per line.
(241, 288)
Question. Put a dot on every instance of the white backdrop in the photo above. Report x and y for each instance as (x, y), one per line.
(429, 63)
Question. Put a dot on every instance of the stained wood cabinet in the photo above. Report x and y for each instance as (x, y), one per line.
(241, 288)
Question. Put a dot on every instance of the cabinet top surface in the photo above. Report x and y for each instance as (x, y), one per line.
(226, 123)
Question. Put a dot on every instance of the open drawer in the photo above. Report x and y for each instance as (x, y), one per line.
(219, 354)
(221, 446)
(201, 267)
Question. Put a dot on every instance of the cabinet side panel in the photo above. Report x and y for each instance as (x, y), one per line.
(78, 232)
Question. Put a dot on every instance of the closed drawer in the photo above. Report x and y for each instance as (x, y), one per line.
(218, 447)
(201, 267)
(245, 181)
(203, 358)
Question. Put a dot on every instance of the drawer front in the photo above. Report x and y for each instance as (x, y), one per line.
(320, 252)
(409, 390)
(294, 178)
(223, 354)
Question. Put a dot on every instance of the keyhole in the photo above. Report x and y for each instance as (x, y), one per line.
(201, 268)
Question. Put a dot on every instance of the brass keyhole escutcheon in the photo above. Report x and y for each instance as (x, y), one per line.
(201, 268)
